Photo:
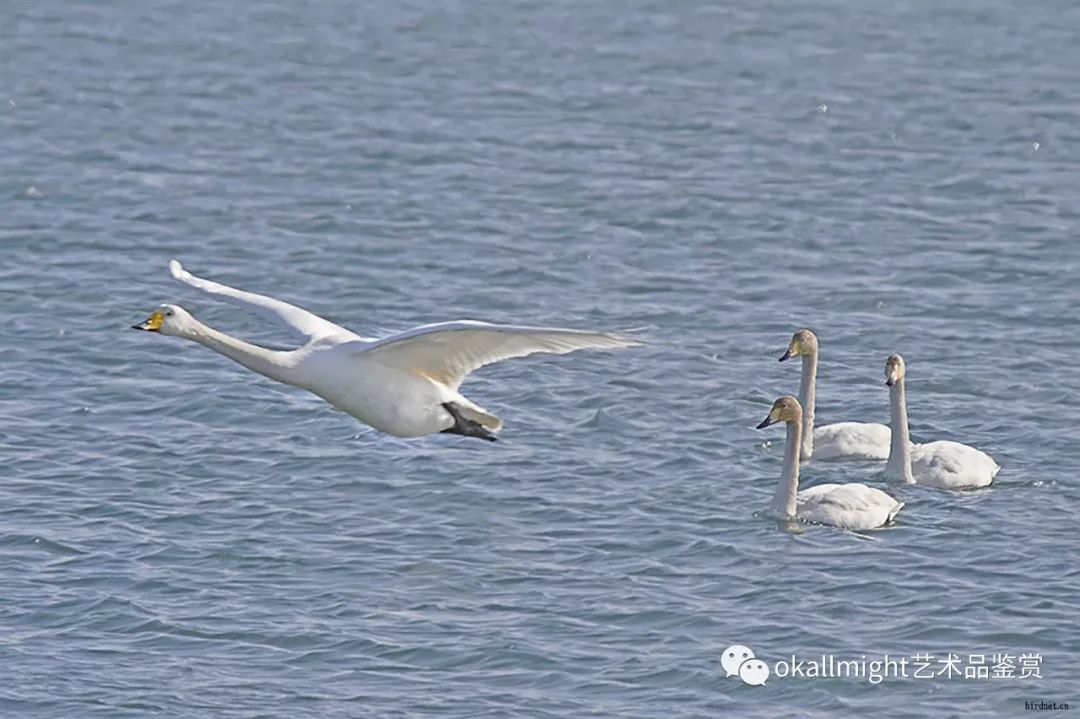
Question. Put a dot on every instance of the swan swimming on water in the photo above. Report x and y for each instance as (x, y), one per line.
(405, 384)
(853, 440)
(941, 464)
(848, 506)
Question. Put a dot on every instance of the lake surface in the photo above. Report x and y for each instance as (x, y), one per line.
(179, 537)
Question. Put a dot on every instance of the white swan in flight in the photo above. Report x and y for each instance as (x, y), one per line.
(850, 440)
(848, 506)
(941, 464)
(405, 385)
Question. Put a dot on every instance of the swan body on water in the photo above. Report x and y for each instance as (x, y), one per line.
(848, 506)
(405, 385)
(942, 464)
(842, 440)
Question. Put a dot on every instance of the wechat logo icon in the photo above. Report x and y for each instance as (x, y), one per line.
(739, 661)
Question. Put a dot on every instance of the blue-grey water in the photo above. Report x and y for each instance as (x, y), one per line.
(179, 537)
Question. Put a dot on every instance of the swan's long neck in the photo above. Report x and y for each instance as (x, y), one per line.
(784, 500)
(899, 464)
(807, 390)
(273, 364)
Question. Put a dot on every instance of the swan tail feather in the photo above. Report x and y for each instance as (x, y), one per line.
(476, 413)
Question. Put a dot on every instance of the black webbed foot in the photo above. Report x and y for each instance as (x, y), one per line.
(465, 426)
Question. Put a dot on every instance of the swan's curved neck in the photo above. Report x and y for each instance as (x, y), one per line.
(899, 464)
(807, 398)
(784, 500)
(272, 363)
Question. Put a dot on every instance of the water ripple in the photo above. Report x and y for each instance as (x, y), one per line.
(179, 536)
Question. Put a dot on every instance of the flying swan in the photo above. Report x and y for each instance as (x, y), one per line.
(405, 385)
(848, 506)
(941, 464)
(842, 440)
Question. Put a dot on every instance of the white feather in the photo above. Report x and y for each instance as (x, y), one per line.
(942, 464)
(951, 465)
(848, 506)
(852, 440)
(449, 351)
(306, 323)
(401, 384)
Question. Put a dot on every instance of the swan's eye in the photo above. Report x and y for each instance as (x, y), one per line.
(169, 313)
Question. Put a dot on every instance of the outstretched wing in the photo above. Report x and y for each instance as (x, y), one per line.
(306, 323)
(448, 351)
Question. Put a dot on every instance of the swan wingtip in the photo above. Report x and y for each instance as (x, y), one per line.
(176, 269)
(628, 338)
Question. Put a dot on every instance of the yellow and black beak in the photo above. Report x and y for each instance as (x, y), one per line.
(153, 324)
(792, 351)
(773, 418)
